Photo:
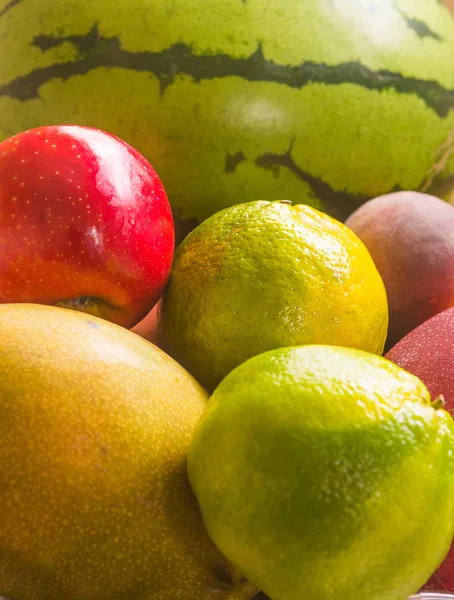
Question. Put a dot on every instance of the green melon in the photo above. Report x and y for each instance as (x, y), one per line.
(325, 102)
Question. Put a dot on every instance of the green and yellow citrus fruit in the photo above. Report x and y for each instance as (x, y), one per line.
(325, 473)
(261, 275)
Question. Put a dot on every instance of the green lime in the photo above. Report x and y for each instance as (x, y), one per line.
(325, 473)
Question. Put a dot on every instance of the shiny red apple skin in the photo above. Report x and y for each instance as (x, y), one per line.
(428, 352)
(443, 579)
(82, 215)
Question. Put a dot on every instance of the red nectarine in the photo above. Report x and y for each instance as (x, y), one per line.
(410, 236)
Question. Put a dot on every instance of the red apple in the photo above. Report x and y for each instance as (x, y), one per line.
(428, 352)
(84, 222)
(443, 579)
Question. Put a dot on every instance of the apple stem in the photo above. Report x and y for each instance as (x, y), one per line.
(439, 402)
(285, 201)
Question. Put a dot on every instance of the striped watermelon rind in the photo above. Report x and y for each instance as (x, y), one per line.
(328, 102)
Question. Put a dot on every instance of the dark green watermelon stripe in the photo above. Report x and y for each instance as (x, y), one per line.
(233, 160)
(95, 51)
(341, 202)
(10, 5)
(421, 29)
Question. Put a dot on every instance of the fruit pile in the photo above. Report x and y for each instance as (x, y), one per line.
(263, 444)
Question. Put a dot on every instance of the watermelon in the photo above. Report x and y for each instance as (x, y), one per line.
(324, 102)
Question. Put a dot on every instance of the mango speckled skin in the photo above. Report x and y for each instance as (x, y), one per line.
(95, 424)
(326, 102)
